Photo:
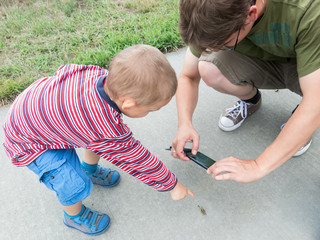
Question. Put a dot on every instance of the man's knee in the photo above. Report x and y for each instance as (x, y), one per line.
(211, 74)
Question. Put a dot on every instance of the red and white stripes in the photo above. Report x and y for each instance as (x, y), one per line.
(71, 110)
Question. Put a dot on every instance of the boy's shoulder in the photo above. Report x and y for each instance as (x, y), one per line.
(79, 67)
(76, 71)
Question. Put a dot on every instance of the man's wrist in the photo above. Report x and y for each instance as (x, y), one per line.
(184, 123)
(261, 170)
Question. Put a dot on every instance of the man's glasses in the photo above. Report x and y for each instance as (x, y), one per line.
(226, 48)
(234, 46)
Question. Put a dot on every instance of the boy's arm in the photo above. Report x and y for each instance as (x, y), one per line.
(177, 193)
(131, 156)
(297, 131)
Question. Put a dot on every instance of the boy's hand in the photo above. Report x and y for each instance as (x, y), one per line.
(180, 192)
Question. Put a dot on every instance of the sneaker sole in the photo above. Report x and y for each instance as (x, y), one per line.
(229, 129)
(92, 234)
(303, 150)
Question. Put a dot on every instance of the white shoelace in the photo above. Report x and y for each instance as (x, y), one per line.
(239, 108)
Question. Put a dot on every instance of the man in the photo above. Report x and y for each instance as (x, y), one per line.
(237, 47)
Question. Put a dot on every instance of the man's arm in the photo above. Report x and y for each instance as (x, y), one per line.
(187, 98)
(295, 134)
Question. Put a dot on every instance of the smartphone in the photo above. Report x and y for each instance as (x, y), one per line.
(200, 159)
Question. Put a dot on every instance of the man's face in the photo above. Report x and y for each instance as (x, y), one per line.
(232, 41)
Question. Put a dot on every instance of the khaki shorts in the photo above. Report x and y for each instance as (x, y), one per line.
(242, 70)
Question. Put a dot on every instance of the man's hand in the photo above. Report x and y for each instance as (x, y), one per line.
(180, 192)
(185, 134)
(239, 170)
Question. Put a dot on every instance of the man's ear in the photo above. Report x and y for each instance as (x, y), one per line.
(127, 103)
(253, 13)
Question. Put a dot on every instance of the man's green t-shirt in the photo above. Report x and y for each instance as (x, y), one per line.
(289, 31)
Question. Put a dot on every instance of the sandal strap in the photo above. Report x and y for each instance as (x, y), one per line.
(102, 173)
(85, 214)
(93, 220)
(105, 177)
(89, 221)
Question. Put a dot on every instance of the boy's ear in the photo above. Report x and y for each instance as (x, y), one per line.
(127, 103)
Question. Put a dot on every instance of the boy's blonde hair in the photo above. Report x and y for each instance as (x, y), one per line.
(143, 73)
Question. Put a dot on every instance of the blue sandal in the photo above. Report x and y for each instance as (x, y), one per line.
(89, 222)
(105, 177)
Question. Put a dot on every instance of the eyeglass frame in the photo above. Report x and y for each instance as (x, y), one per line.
(252, 2)
(234, 46)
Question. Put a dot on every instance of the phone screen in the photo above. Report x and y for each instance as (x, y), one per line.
(201, 159)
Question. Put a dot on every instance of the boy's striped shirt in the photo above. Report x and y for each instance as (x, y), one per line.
(72, 110)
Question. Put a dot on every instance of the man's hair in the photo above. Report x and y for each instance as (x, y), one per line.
(207, 24)
(143, 73)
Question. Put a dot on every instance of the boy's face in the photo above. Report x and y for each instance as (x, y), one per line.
(138, 111)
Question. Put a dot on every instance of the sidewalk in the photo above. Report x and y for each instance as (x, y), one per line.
(282, 206)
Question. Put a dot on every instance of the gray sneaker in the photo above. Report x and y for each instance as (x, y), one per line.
(303, 149)
(233, 117)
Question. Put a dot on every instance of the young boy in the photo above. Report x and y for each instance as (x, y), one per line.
(80, 107)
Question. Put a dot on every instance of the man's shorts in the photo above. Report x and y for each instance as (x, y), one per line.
(61, 171)
(240, 69)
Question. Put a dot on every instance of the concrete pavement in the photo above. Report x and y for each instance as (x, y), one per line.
(282, 206)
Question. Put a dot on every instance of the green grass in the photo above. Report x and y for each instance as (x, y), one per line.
(36, 37)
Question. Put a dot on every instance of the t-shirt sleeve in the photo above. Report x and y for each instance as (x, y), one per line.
(308, 41)
(131, 156)
(194, 52)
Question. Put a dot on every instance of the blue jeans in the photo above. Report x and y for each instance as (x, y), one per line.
(61, 171)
